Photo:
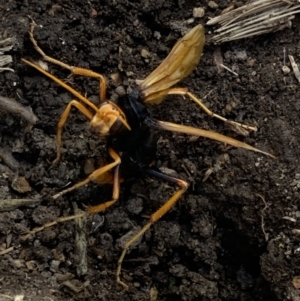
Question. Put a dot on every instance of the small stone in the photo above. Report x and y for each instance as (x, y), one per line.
(157, 35)
(54, 266)
(116, 78)
(120, 91)
(31, 265)
(251, 62)
(145, 53)
(93, 13)
(129, 73)
(189, 21)
(296, 282)
(213, 4)
(19, 263)
(136, 284)
(135, 205)
(20, 185)
(228, 108)
(198, 12)
(286, 69)
(241, 55)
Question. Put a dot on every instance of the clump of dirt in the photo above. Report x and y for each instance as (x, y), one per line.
(234, 236)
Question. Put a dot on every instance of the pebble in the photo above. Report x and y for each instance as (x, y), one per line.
(116, 78)
(145, 53)
(120, 90)
(198, 12)
(157, 35)
(20, 185)
(213, 4)
(286, 69)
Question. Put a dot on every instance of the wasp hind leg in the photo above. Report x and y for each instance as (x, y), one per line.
(103, 178)
(185, 92)
(155, 216)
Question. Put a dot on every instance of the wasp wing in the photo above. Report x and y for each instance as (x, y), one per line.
(180, 62)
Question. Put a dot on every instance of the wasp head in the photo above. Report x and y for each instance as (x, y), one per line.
(109, 120)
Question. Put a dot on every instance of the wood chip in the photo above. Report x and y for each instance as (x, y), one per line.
(12, 204)
(20, 185)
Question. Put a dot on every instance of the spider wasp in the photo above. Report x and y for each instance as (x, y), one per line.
(128, 125)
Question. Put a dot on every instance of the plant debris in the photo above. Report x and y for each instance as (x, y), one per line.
(255, 18)
(12, 106)
(5, 45)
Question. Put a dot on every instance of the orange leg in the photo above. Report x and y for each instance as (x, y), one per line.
(74, 70)
(99, 176)
(63, 120)
(90, 210)
(66, 112)
(154, 217)
(185, 92)
(173, 127)
(51, 224)
(115, 196)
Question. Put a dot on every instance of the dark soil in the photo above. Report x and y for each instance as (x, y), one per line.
(234, 236)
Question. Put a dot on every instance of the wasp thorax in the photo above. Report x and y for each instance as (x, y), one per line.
(108, 120)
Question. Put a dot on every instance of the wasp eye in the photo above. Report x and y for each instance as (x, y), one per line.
(113, 108)
(117, 127)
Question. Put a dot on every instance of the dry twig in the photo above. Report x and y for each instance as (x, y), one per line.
(12, 106)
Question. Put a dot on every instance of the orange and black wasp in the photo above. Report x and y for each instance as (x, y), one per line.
(128, 125)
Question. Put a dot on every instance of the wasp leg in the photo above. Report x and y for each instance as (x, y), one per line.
(67, 110)
(184, 91)
(155, 216)
(63, 120)
(74, 70)
(62, 84)
(99, 176)
(173, 127)
(53, 223)
(91, 210)
(115, 196)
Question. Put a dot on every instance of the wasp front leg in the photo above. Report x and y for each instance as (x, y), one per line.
(74, 70)
(63, 120)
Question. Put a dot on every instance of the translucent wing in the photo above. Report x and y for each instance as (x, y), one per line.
(180, 62)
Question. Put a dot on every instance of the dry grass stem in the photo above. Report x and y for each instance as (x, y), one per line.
(5, 45)
(255, 18)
